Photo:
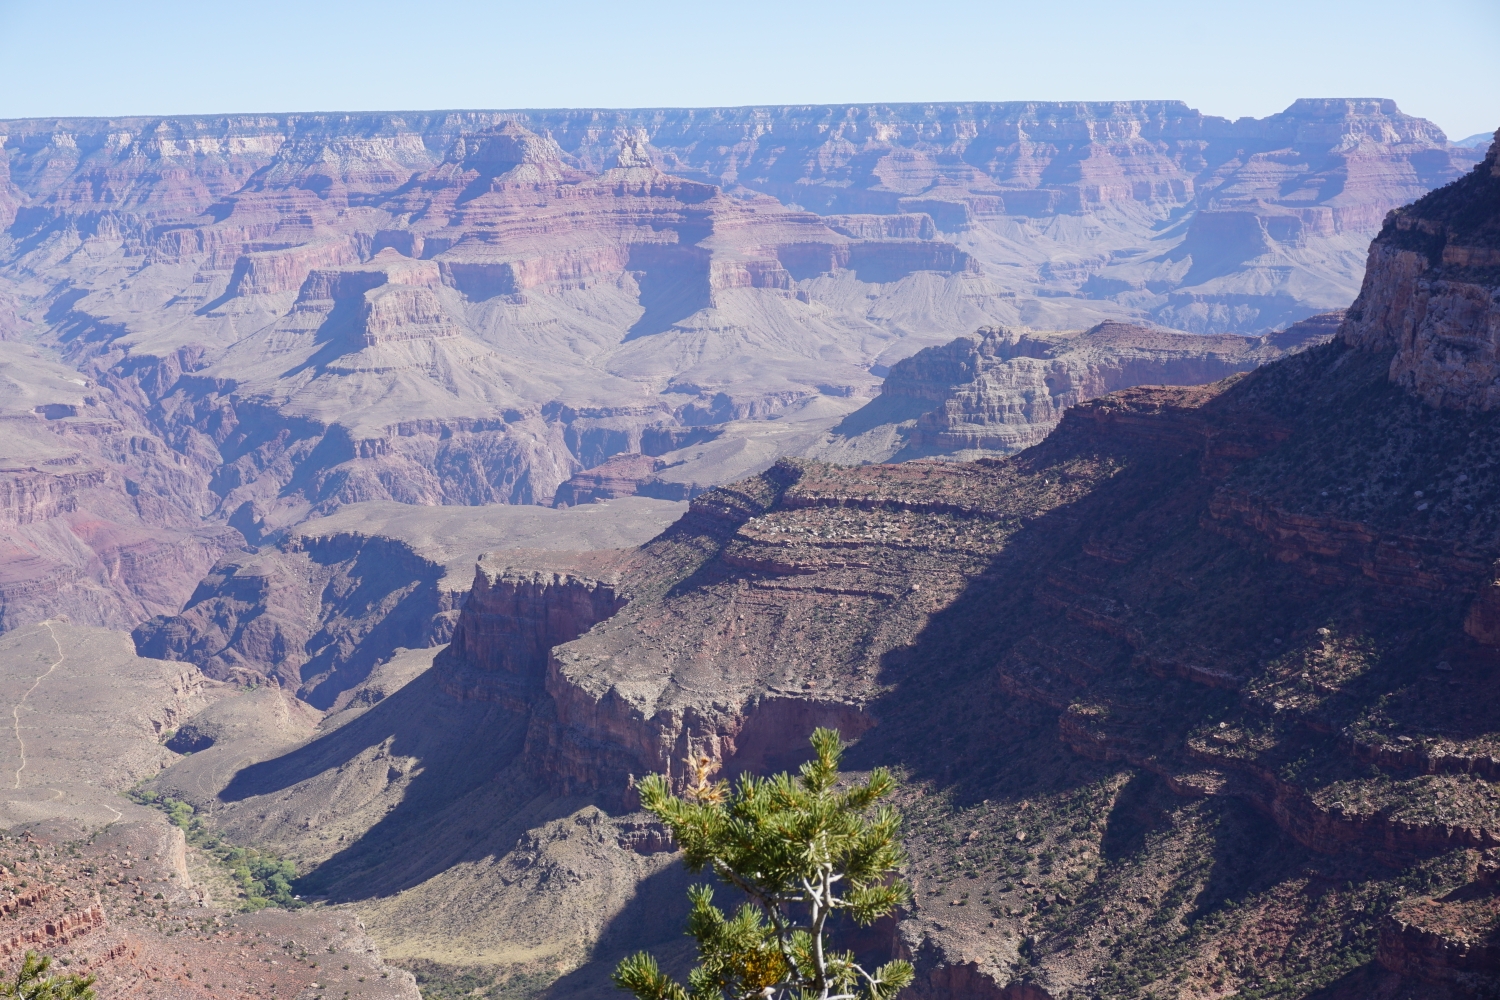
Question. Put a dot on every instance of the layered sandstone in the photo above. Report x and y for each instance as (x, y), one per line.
(518, 609)
(625, 475)
(1069, 593)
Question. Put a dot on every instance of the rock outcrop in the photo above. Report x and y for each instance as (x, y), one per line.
(1432, 293)
(1000, 391)
(517, 610)
(622, 476)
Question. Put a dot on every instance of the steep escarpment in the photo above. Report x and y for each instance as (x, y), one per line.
(474, 332)
(1148, 742)
(518, 609)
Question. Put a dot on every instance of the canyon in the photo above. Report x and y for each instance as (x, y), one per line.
(1190, 698)
(403, 487)
(215, 327)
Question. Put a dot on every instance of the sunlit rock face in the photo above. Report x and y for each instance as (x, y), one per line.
(1432, 292)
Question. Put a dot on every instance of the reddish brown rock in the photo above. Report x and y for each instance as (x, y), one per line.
(122, 908)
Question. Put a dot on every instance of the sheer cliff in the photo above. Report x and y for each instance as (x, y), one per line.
(1430, 292)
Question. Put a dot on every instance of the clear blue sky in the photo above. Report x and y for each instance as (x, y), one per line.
(1436, 58)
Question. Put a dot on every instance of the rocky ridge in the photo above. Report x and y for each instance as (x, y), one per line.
(1000, 391)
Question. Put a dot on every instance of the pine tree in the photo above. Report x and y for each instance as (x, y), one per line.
(800, 849)
(33, 983)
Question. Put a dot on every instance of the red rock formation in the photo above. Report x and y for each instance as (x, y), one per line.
(1449, 940)
(420, 307)
(121, 907)
(625, 475)
(620, 476)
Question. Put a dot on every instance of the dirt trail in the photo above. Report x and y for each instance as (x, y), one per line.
(15, 712)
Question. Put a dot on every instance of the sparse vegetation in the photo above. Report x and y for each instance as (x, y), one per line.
(264, 879)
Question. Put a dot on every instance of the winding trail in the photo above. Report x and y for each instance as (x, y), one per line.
(15, 713)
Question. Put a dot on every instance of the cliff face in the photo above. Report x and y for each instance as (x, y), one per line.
(313, 616)
(1430, 292)
(514, 615)
(622, 476)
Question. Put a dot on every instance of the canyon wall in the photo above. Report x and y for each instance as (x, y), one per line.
(1252, 612)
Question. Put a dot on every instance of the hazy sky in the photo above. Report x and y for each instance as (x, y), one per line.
(1437, 58)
